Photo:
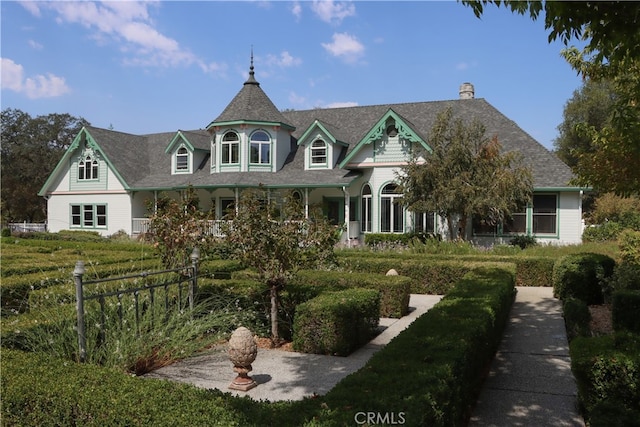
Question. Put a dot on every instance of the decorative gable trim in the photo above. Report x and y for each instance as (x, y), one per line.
(376, 133)
(319, 125)
(85, 138)
(179, 139)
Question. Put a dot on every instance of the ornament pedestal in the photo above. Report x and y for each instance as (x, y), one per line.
(242, 352)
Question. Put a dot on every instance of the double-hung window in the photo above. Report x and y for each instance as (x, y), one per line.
(545, 214)
(88, 168)
(260, 148)
(89, 216)
(318, 153)
(230, 148)
(182, 160)
(424, 222)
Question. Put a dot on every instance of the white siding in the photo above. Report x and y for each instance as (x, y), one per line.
(118, 211)
(569, 219)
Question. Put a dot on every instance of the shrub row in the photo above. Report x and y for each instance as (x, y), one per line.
(336, 323)
(625, 310)
(433, 370)
(395, 291)
(607, 373)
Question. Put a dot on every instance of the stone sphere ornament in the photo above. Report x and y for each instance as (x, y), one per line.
(242, 352)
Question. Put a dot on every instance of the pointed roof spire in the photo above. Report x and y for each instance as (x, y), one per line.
(251, 80)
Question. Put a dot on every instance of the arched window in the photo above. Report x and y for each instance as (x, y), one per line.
(182, 159)
(366, 209)
(230, 148)
(391, 211)
(260, 148)
(318, 153)
(88, 168)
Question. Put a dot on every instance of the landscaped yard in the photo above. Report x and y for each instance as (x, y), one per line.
(43, 383)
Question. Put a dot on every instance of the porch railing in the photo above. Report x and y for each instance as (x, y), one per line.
(26, 227)
(211, 227)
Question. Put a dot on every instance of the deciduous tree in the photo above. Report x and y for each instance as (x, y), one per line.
(466, 174)
(278, 240)
(31, 148)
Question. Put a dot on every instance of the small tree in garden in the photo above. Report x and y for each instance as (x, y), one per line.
(277, 241)
(177, 226)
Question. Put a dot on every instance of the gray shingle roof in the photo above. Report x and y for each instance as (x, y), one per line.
(141, 162)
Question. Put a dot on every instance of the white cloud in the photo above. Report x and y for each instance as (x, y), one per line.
(284, 60)
(296, 99)
(345, 46)
(296, 10)
(461, 66)
(333, 12)
(128, 24)
(35, 87)
(341, 104)
(35, 45)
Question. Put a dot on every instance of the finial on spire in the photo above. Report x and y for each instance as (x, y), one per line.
(251, 80)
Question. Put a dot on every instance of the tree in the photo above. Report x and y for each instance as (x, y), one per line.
(465, 175)
(589, 106)
(176, 227)
(278, 242)
(31, 148)
(611, 53)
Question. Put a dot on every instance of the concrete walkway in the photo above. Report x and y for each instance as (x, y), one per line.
(530, 382)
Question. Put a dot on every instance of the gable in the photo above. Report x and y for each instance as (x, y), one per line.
(390, 140)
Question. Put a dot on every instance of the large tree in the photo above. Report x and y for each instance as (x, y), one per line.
(466, 174)
(31, 148)
(277, 240)
(611, 53)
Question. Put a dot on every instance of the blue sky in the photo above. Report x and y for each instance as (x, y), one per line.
(163, 66)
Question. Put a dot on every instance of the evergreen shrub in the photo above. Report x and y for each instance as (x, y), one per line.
(534, 271)
(625, 311)
(336, 323)
(582, 276)
(576, 318)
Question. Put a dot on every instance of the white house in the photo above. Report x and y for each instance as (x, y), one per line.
(344, 159)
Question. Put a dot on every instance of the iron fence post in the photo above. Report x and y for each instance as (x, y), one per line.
(193, 284)
(78, 272)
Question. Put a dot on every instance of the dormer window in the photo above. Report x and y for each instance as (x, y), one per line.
(260, 148)
(182, 160)
(318, 153)
(230, 148)
(88, 168)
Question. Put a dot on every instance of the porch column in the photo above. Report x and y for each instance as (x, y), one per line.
(306, 203)
(347, 202)
(237, 194)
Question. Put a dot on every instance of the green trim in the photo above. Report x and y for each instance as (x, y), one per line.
(64, 161)
(179, 136)
(560, 189)
(377, 131)
(317, 123)
(95, 216)
(233, 186)
(250, 122)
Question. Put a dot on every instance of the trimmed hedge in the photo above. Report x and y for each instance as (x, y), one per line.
(625, 310)
(395, 291)
(576, 318)
(582, 276)
(607, 369)
(336, 323)
(433, 370)
(534, 271)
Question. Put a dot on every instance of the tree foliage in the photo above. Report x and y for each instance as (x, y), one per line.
(176, 227)
(611, 53)
(591, 106)
(31, 149)
(466, 174)
(277, 240)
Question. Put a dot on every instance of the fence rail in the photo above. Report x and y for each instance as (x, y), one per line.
(188, 274)
(26, 227)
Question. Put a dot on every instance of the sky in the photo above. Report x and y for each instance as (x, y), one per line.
(159, 66)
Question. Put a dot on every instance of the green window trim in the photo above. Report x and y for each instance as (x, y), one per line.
(88, 168)
(88, 216)
(260, 151)
(182, 160)
(230, 149)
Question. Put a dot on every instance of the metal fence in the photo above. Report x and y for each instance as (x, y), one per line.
(185, 275)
